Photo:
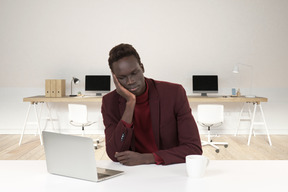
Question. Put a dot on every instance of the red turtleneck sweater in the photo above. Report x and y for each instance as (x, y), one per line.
(144, 138)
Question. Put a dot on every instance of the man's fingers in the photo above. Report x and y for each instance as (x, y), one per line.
(116, 82)
(121, 156)
(114, 78)
(128, 158)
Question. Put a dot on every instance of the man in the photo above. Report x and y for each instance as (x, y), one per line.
(146, 121)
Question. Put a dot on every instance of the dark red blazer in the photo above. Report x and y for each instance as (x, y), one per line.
(174, 128)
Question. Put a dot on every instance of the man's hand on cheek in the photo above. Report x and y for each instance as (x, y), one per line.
(122, 90)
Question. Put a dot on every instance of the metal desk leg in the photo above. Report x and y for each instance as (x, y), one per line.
(241, 118)
(252, 122)
(39, 117)
(50, 116)
(258, 123)
(47, 118)
(37, 122)
(264, 121)
(25, 123)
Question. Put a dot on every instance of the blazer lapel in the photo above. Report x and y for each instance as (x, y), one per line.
(122, 105)
(154, 110)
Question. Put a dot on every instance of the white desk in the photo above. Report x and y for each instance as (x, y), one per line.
(222, 176)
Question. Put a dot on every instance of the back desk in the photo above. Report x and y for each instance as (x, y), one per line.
(197, 99)
(212, 99)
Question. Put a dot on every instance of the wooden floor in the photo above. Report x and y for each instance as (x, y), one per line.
(238, 149)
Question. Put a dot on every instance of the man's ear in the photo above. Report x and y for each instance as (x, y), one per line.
(142, 67)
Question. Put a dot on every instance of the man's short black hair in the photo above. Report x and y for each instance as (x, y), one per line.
(120, 51)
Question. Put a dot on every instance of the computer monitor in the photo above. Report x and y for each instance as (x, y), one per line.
(98, 83)
(205, 84)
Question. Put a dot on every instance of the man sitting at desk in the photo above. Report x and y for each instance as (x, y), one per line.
(146, 121)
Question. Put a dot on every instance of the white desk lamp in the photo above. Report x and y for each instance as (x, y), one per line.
(236, 70)
(74, 81)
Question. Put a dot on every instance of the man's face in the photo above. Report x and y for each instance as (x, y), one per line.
(130, 74)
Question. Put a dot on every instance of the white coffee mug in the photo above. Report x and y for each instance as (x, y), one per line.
(196, 165)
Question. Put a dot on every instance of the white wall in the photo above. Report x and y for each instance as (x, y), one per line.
(175, 38)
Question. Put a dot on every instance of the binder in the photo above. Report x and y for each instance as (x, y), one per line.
(47, 88)
(53, 87)
(60, 87)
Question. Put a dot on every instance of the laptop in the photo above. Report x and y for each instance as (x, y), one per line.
(73, 156)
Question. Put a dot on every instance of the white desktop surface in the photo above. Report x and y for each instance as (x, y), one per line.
(221, 175)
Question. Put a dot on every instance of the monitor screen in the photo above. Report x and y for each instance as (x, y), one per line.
(98, 83)
(205, 84)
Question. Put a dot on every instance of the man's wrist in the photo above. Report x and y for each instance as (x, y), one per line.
(128, 125)
(158, 160)
(148, 158)
(131, 102)
(129, 111)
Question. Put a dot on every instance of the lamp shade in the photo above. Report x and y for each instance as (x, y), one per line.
(75, 80)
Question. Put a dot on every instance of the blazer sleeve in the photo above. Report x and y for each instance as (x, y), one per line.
(185, 138)
(118, 137)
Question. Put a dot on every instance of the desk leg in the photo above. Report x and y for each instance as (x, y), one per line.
(39, 117)
(50, 116)
(37, 123)
(25, 123)
(258, 123)
(47, 118)
(242, 118)
(239, 120)
(264, 121)
(252, 123)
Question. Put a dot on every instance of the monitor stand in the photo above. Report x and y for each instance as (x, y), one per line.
(204, 95)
